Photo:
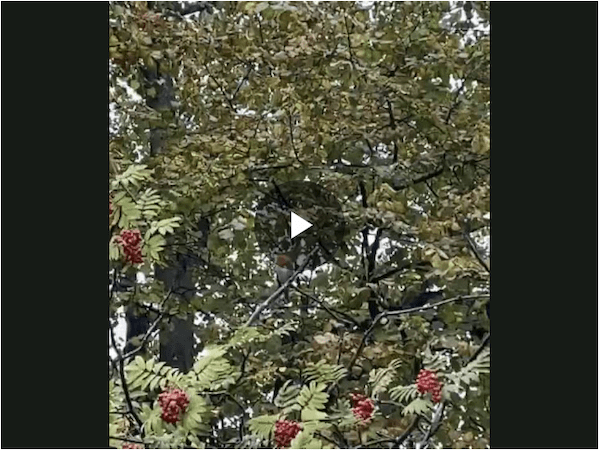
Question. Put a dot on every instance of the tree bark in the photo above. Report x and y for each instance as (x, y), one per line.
(177, 337)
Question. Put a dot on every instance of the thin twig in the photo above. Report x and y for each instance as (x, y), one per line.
(243, 367)
(419, 179)
(349, 42)
(394, 313)
(398, 440)
(262, 41)
(436, 422)
(279, 291)
(150, 329)
(123, 380)
(455, 102)
(476, 251)
(239, 404)
(347, 318)
(318, 434)
(229, 102)
(123, 439)
(393, 271)
(292, 140)
(239, 86)
(483, 344)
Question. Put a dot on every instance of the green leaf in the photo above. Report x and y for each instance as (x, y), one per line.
(287, 396)
(404, 393)
(133, 175)
(305, 440)
(311, 414)
(418, 406)
(322, 372)
(380, 378)
(313, 396)
(212, 370)
(263, 425)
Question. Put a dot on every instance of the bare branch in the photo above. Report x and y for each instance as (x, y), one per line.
(292, 139)
(396, 270)
(394, 313)
(241, 83)
(150, 329)
(396, 441)
(421, 178)
(123, 439)
(483, 344)
(436, 422)
(347, 319)
(349, 42)
(279, 291)
(123, 380)
(476, 251)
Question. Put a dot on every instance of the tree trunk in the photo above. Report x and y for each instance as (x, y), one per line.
(177, 337)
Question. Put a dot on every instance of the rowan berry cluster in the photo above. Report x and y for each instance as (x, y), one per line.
(285, 432)
(427, 381)
(132, 446)
(173, 404)
(363, 407)
(131, 240)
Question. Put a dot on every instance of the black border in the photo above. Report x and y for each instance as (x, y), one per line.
(545, 285)
(544, 375)
(54, 311)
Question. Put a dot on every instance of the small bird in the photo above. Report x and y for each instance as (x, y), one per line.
(284, 269)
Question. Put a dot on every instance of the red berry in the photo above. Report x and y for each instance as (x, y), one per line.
(131, 240)
(173, 404)
(427, 381)
(363, 407)
(285, 432)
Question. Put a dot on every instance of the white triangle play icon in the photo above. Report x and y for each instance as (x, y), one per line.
(298, 225)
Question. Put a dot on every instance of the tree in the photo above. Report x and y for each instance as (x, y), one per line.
(384, 104)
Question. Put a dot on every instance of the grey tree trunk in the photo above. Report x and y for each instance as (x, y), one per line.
(177, 338)
(177, 344)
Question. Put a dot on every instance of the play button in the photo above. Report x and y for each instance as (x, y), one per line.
(299, 218)
(298, 225)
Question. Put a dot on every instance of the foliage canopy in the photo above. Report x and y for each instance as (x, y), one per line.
(384, 104)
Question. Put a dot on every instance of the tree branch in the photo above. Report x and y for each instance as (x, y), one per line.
(150, 329)
(455, 102)
(240, 84)
(229, 101)
(393, 271)
(349, 42)
(394, 313)
(419, 179)
(347, 318)
(476, 251)
(483, 344)
(436, 422)
(123, 380)
(126, 440)
(373, 251)
(279, 291)
(292, 139)
(234, 399)
(396, 441)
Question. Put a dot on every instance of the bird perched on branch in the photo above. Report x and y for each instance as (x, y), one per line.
(284, 269)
